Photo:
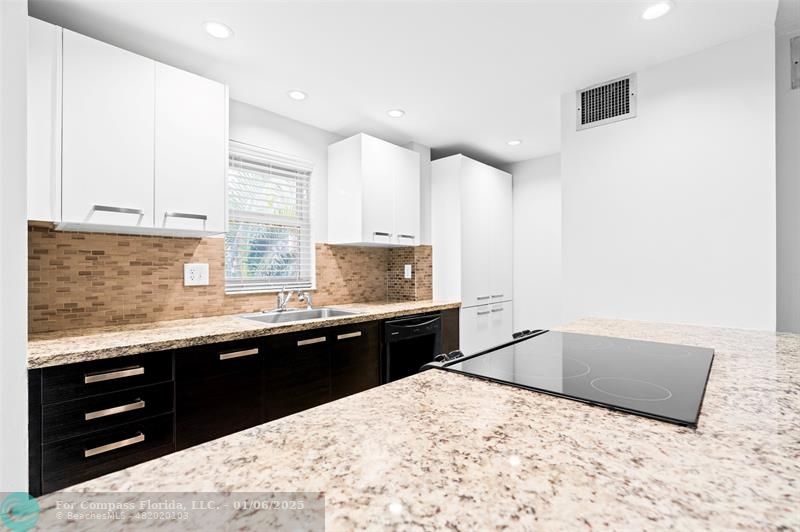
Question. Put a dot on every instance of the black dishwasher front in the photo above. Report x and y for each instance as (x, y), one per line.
(409, 344)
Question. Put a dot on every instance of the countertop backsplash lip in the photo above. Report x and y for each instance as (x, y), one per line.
(81, 345)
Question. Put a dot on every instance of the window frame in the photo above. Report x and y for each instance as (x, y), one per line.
(282, 160)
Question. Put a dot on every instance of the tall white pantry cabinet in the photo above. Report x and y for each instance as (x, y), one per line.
(471, 228)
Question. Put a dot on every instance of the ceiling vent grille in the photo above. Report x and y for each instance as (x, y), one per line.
(607, 102)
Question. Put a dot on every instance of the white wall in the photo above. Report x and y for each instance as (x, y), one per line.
(13, 247)
(787, 103)
(269, 130)
(537, 242)
(670, 216)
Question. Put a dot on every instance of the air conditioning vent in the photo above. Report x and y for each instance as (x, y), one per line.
(607, 102)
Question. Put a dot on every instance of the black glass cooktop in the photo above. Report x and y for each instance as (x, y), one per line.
(662, 381)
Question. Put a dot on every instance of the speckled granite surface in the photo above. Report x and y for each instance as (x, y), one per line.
(445, 451)
(53, 349)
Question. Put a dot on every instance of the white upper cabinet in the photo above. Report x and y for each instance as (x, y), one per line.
(373, 193)
(190, 151)
(44, 120)
(107, 151)
(121, 143)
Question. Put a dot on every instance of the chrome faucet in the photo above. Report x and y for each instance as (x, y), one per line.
(305, 296)
(283, 298)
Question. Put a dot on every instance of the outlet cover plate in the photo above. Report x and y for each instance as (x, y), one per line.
(407, 271)
(195, 274)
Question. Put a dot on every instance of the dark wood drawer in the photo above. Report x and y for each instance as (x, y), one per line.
(297, 372)
(72, 461)
(218, 391)
(72, 381)
(98, 412)
(355, 361)
(198, 363)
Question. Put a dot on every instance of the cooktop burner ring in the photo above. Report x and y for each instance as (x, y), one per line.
(585, 369)
(660, 393)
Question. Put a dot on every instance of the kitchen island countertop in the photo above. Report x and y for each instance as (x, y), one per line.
(446, 451)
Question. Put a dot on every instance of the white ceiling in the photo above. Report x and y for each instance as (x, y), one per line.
(470, 75)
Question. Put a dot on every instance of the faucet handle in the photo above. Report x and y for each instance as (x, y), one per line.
(305, 296)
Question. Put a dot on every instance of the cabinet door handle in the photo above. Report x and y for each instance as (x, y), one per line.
(406, 236)
(497, 309)
(482, 298)
(112, 446)
(381, 233)
(137, 405)
(485, 312)
(119, 210)
(496, 296)
(238, 354)
(132, 371)
(301, 343)
(349, 335)
(186, 215)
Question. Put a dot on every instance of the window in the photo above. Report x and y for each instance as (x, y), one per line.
(268, 243)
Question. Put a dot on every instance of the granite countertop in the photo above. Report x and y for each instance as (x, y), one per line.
(80, 345)
(445, 451)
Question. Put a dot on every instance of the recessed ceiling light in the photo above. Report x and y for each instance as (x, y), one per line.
(217, 29)
(659, 9)
(515, 142)
(396, 113)
(297, 95)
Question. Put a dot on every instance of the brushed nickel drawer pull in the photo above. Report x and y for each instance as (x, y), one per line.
(481, 298)
(496, 296)
(310, 341)
(497, 310)
(238, 354)
(137, 405)
(113, 446)
(132, 371)
(349, 335)
(483, 313)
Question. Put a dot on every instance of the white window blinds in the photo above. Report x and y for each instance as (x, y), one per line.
(268, 244)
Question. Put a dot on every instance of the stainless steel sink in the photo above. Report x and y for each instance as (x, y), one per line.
(287, 316)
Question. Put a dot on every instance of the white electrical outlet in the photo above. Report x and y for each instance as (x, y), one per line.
(195, 274)
(407, 271)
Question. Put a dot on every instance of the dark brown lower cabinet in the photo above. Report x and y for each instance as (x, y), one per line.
(297, 373)
(217, 391)
(354, 364)
(92, 418)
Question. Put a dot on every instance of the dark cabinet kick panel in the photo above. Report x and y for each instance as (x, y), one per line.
(91, 418)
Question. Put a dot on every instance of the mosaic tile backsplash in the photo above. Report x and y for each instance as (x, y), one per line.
(79, 280)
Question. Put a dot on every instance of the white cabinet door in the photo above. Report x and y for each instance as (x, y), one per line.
(377, 185)
(475, 329)
(406, 197)
(501, 323)
(475, 235)
(44, 121)
(107, 152)
(190, 151)
(499, 224)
